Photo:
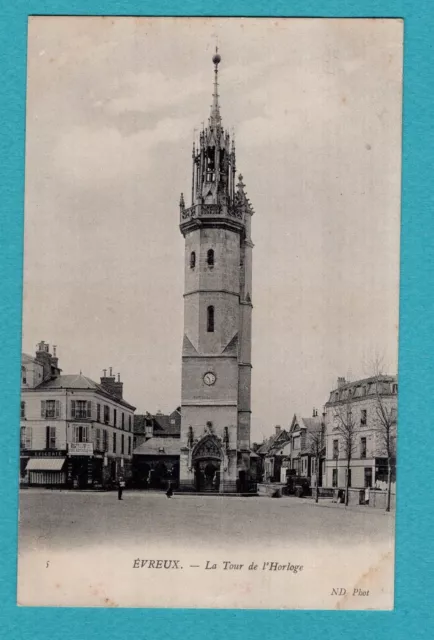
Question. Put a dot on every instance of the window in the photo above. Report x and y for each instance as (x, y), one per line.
(80, 433)
(81, 409)
(313, 465)
(363, 447)
(50, 409)
(335, 478)
(114, 443)
(368, 477)
(98, 413)
(23, 409)
(115, 418)
(129, 423)
(210, 257)
(363, 416)
(192, 260)
(394, 388)
(349, 477)
(26, 437)
(23, 375)
(210, 319)
(122, 443)
(393, 414)
(98, 439)
(105, 440)
(129, 445)
(123, 420)
(50, 437)
(335, 448)
(106, 414)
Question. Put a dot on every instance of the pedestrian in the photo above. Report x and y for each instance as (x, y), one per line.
(169, 492)
(121, 487)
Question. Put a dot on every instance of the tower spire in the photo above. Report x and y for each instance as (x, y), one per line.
(215, 118)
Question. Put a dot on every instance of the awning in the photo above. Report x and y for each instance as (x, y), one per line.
(45, 464)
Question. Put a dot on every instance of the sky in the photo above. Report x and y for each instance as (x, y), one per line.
(112, 108)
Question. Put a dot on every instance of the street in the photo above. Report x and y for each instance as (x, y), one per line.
(51, 520)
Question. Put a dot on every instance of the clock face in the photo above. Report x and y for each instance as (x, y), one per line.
(209, 378)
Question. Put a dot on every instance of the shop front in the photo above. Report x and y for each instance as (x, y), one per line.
(47, 470)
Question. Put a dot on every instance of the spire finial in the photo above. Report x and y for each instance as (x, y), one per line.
(215, 119)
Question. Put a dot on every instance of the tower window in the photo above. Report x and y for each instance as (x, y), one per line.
(210, 257)
(192, 260)
(210, 319)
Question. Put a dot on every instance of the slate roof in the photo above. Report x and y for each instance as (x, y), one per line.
(79, 382)
(159, 446)
(271, 442)
(161, 424)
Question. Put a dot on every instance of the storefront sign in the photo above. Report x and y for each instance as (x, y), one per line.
(80, 448)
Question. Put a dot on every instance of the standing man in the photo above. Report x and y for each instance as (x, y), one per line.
(121, 487)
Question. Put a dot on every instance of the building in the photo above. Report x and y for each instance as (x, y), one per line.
(306, 449)
(74, 432)
(271, 454)
(356, 407)
(157, 444)
(216, 351)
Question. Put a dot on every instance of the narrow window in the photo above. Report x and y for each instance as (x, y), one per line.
(114, 443)
(129, 445)
(123, 420)
(192, 260)
(24, 375)
(23, 409)
(210, 257)
(363, 447)
(129, 423)
(210, 319)
(335, 448)
(335, 478)
(115, 418)
(122, 443)
(363, 416)
(98, 413)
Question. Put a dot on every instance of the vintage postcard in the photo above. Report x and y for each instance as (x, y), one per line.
(209, 378)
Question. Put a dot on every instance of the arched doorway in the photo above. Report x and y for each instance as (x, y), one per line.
(207, 458)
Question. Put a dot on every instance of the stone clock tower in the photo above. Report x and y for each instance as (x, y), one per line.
(216, 351)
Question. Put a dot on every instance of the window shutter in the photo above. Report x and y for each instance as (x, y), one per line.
(47, 437)
(53, 437)
(57, 409)
(42, 408)
(89, 409)
(72, 408)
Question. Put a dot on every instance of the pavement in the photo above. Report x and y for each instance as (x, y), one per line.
(49, 518)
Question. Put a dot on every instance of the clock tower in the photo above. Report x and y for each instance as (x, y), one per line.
(216, 350)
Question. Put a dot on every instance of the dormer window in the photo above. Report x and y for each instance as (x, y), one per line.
(210, 257)
(192, 260)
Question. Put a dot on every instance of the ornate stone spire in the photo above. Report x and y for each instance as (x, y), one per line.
(215, 118)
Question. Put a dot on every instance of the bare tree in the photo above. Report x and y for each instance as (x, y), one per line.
(315, 448)
(347, 430)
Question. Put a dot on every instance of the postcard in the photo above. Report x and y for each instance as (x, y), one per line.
(209, 376)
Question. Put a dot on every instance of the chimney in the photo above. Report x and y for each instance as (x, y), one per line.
(49, 363)
(278, 429)
(111, 385)
(341, 382)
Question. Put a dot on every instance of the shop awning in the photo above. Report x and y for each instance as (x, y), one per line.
(45, 464)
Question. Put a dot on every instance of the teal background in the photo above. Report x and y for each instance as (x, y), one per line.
(414, 604)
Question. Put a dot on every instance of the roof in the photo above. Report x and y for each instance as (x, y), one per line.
(310, 424)
(79, 382)
(382, 384)
(271, 442)
(161, 423)
(158, 446)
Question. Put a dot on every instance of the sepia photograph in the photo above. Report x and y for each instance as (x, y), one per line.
(209, 371)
